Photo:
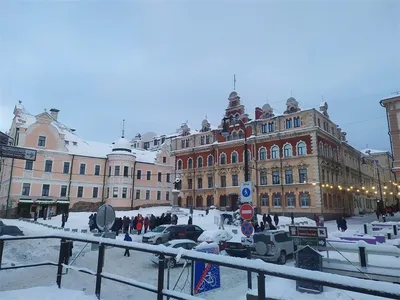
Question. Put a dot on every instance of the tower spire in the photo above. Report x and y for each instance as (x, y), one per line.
(234, 82)
(123, 128)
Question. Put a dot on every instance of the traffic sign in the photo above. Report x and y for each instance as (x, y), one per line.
(17, 152)
(246, 211)
(308, 231)
(105, 217)
(246, 194)
(247, 228)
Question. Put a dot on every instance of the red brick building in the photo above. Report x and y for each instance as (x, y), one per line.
(297, 162)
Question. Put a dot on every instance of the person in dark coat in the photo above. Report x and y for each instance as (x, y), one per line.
(292, 217)
(269, 219)
(264, 218)
(63, 220)
(190, 221)
(127, 238)
(343, 224)
(262, 226)
(338, 224)
(276, 219)
(146, 224)
(152, 223)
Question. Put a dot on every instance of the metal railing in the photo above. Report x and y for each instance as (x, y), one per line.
(382, 289)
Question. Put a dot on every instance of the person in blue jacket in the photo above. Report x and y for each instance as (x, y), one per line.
(127, 238)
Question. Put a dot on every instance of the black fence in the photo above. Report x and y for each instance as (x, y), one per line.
(382, 289)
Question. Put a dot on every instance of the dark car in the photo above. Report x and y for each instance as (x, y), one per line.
(10, 230)
(2, 224)
(191, 232)
(237, 249)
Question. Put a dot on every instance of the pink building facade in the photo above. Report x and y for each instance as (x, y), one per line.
(74, 174)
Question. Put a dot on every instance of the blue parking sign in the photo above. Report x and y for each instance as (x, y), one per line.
(206, 277)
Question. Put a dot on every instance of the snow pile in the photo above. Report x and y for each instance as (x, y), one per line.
(45, 293)
(215, 236)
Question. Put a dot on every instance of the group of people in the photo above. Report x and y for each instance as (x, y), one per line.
(136, 224)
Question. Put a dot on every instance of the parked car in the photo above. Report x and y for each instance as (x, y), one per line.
(159, 235)
(237, 247)
(180, 243)
(273, 246)
(10, 230)
(2, 224)
(191, 232)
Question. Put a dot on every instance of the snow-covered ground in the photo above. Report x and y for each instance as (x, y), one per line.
(139, 266)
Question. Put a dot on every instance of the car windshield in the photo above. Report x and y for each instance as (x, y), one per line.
(159, 229)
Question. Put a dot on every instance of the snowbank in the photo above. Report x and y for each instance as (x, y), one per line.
(45, 293)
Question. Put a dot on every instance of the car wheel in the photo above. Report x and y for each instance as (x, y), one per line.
(158, 241)
(282, 258)
(171, 263)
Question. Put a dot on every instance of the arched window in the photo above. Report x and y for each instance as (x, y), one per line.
(179, 164)
(304, 199)
(234, 135)
(326, 150)
(287, 150)
(190, 163)
(277, 200)
(237, 119)
(200, 162)
(234, 157)
(264, 200)
(210, 160)
(248, 155)
(222, 159)
(263, 154)
(334, 154)
(301, 149)
(241, 135)
(274, 152)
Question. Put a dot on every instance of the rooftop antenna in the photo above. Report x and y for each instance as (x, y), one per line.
(123, 128)
(234, 82)
(206, 116)
(291, 93)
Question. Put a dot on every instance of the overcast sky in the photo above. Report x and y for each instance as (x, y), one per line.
(160, 63)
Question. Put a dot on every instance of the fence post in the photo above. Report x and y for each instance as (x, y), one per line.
(249, 281)
(389, 235)
(100, 264)
(1, 251)
(261, 286)
(363, 256)
(394, 229)
(160, 284)
(366, 228)
(61, 258)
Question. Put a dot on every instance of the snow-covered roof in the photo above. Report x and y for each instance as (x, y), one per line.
(372, 151)
(78, 146)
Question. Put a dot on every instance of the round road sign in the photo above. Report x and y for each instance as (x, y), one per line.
(247, 228)
(246, 212)
(105, 217)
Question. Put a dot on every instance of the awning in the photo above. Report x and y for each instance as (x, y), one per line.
(62, 202)
(45, 201)
(25, 201)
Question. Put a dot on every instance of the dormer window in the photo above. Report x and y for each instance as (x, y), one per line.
(207, 139)
(155, 142)
(202, 140)
(288, 123)
(296, 121)
(75, 143)
(66, 142)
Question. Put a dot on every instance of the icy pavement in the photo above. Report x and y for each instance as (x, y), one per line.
(45, 293)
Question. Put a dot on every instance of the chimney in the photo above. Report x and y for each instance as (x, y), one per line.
(258, 113)
(54, 113)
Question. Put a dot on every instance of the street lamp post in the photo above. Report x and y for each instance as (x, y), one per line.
(225, 133)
